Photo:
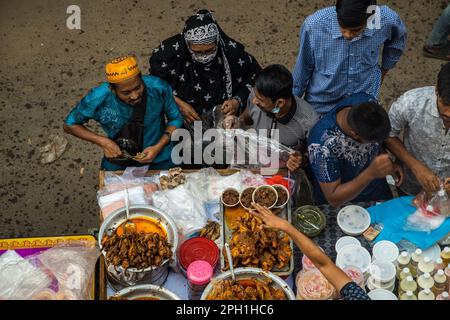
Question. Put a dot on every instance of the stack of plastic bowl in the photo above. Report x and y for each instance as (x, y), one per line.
(345, 241)
(382, 275)
(381, 294)
(354, 255)
(356, 275)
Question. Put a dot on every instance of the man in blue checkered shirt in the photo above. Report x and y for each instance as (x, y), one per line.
(340, 48)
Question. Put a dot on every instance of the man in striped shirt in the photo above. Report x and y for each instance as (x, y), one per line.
(340, 48)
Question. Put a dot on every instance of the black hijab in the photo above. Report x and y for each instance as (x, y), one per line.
(230, 74)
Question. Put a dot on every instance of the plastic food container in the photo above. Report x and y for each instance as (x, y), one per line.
(282, 205)
(230, 204)
(354, 255)
(345, 241)
(356, 275)
(385, 250)
(307, 264)
(312, 285)
(381, 294)
(373, 285)
(146, 291)
(198, 248)
(199, 274)
(251, 273)
(309, 220)
(266, 187)
(353, 220)
(248, 190)
(382, 274)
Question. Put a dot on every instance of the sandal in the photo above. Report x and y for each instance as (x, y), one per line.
(437, 53)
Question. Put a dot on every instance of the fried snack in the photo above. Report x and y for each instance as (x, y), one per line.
(211, 231)
(245, 290)
(136, 250)
(254, 246)
(175, 178)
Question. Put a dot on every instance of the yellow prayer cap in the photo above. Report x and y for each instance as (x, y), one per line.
(121, 69)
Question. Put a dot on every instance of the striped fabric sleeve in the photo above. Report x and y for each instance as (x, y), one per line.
(305, 63)
(394, 47)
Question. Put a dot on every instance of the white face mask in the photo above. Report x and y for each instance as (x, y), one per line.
(204, 58)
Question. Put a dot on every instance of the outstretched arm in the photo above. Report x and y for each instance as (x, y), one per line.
(335, 275)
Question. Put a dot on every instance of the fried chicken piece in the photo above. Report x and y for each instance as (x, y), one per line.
(253, 245)
(267, 261)
(277, 294)
(138, 250)
(211, 231)
(256, 290)
(250, 294)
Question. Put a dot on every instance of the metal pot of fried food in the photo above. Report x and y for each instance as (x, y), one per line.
(141, 255)
(250, 284)
(145, 292)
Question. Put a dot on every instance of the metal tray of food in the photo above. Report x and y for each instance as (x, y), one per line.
(226, 233)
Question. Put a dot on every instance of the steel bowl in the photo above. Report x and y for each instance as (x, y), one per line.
(146, 291)
(251, 273)
(117, 276)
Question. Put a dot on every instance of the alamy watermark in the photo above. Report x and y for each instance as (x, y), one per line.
(374, 21)
(73, 22)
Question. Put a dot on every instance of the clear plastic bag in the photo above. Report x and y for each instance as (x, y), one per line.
(140, 189)
(440, 203)
(111, 202)
(434, 204)
(210, 119)
(73, 266)
(19, 278)
(185, 209)
(63, 272)
(131, 177)
(248, 149)
(421, 221)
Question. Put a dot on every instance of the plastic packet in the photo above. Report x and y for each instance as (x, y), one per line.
(434, 204)
(54, 149)
(198, 183)
(248, 149)
(207, 184)
(111, 202)
(422, 221)
(439, 203)
(210, 119)
(131, 177)
(140, 189)
(72, 265)
(19, 278)
(184, 208)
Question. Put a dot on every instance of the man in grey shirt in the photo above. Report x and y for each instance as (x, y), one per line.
(423, 115)
(271, 105)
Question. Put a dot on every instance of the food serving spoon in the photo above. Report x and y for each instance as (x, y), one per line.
(230, 261)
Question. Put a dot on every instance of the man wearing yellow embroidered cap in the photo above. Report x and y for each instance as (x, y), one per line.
(137, 113)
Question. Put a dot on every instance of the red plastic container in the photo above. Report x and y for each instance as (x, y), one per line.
(198, 248)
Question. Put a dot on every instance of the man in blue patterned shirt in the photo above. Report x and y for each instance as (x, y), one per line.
(345, 153)
(340, 48)
(137, 113)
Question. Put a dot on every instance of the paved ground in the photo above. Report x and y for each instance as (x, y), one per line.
(46, 68)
